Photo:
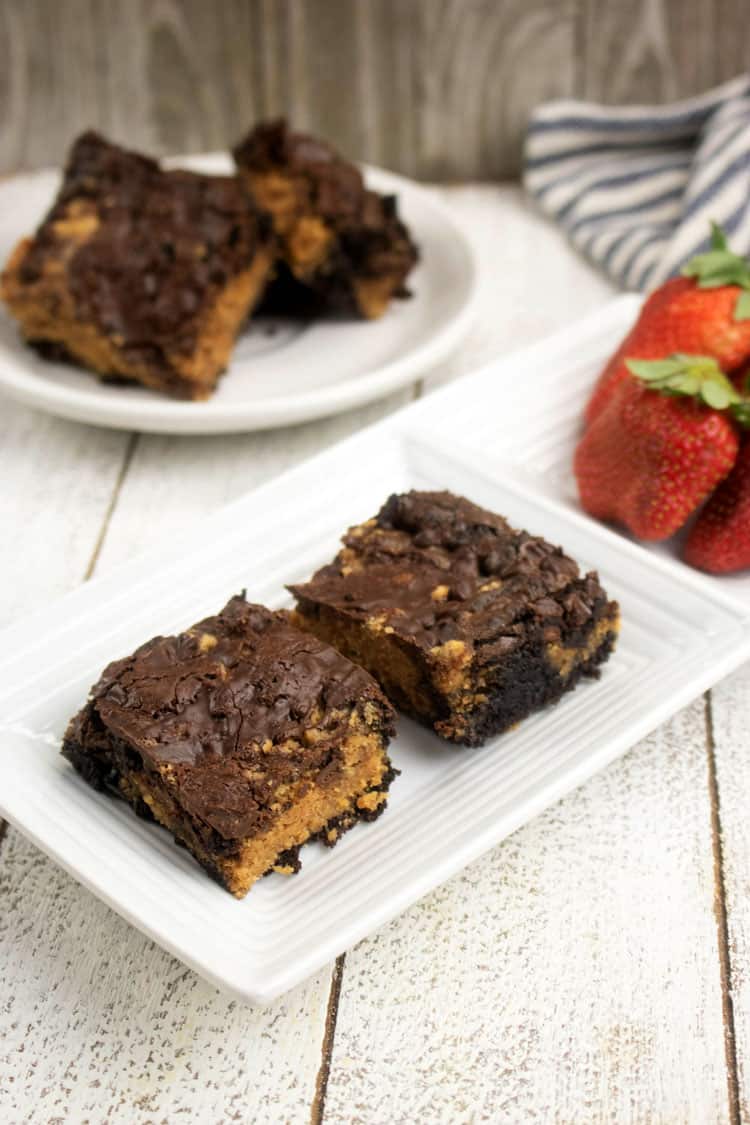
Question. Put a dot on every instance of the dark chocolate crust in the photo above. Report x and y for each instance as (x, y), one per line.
(337, 187)
(230, 724)
(166, 243)
(494, 617)
(218, 715)
(160, 250)
(369, 241)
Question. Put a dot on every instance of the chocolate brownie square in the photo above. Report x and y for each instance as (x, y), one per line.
(243, 736)
(140, 274)
(468, 624)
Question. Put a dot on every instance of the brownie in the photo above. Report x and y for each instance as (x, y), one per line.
(140, 274)
(342, 246)
(243, 736)
(468, 624)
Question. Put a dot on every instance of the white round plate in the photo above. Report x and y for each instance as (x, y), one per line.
(281, 371)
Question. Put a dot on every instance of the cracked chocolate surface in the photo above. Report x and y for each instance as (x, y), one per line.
(162, 245)
(433, 568)
(228, 708)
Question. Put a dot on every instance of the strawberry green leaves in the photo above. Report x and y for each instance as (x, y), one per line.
(696, 376)
(720, 266)
(741, 413)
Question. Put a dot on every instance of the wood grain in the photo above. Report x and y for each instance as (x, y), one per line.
(654, 50)
(58, 478)
(570, 975)
(731, 736)
(99, 1022)
(435, 88)
(480, 66)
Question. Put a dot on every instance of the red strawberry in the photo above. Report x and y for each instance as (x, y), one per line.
(706, 312)
(649, 459)
(720, 538)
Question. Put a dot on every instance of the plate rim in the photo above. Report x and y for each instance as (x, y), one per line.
(168, 416)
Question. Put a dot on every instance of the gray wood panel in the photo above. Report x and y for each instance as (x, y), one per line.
(439, 89)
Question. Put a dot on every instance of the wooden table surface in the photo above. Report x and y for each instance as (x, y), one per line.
(593, 968)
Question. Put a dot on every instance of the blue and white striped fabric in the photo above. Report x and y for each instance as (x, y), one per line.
(637, 187)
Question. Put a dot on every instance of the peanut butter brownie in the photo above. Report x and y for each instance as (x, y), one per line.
(242, 736)
(342, 243)
(140, 274)
(468, 624)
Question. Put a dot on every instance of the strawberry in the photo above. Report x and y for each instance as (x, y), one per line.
(649, 459)
(720, 538)
(705, 312)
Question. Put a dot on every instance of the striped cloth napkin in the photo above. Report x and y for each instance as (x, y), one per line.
(636, 188)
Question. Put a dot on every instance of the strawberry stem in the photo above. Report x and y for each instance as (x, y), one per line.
(719, 266)
(693, 376)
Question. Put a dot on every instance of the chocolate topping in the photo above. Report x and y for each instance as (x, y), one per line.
(162, 245)
(226, 706)
(371, 241)
(336, 188)
(434, 567)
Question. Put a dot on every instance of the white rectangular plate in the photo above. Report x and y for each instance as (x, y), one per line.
(480, 437)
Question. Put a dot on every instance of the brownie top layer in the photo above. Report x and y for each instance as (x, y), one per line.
(433, 567)
(150, 248)
(236, 706)
(337, 190)
(372, 238)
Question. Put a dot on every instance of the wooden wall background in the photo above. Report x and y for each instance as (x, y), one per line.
(438, 89)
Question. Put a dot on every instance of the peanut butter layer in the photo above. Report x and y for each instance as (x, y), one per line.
(139, 273)
(467, 623)
(243, 736)
(341, 244)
